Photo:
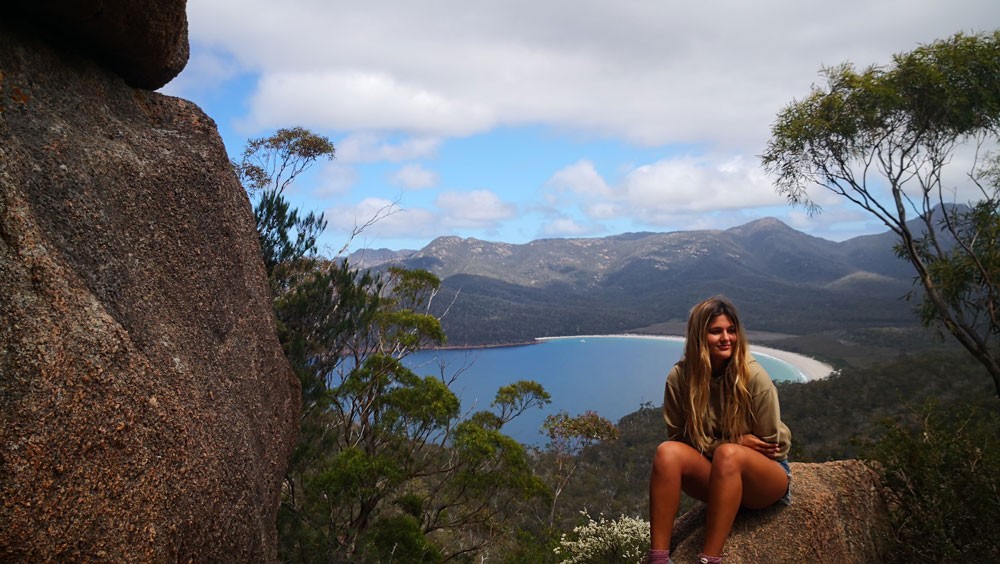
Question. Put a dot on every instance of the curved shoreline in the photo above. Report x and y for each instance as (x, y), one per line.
(810, 368)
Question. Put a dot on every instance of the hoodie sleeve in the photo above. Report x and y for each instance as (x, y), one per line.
(673, 410)
(767, 424)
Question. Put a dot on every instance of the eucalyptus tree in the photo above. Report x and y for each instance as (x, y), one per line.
(568, 438)
(890, 139)
(267, 167)
(387, 467)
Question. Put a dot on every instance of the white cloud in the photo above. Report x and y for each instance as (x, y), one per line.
(580, 178)
(415, 177)
(355, 100)
(695, 185)
(397, 81)
(452, 211)
(334, 179)
(369, 147)
(479, 209)
(392, 220)
(661, 192)
(836, 223)
(603, 210)
(650, 71)
(568, 227)
(206, 70)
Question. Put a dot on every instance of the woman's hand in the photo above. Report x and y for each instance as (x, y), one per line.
(751, 441)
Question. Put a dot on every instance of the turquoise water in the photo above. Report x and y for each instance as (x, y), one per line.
(613, 376)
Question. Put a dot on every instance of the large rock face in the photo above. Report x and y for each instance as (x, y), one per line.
(144, 41)
(838, 514)
(146, 410)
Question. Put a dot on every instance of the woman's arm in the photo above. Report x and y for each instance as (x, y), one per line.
(767, 424)
(673, 406)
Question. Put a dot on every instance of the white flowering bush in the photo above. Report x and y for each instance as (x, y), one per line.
(625, 539)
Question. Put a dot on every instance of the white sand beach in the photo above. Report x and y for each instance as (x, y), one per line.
(810, 368)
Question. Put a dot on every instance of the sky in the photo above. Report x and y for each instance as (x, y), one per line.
(517, 120)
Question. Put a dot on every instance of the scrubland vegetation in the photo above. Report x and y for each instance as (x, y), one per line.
(388, 470)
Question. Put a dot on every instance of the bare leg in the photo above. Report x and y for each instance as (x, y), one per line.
(740, 477)
(676, 466)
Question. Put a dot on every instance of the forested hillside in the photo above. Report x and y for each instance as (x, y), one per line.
(783, 280)
(832, 419)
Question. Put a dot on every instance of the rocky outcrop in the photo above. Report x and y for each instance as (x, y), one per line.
(144, 41)
(146, 410)
(837, 514)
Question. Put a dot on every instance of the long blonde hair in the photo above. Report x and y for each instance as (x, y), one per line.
(696, 376)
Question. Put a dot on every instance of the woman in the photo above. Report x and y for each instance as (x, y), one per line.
(726, 443)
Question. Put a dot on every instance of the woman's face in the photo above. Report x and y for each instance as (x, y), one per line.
(721, 339)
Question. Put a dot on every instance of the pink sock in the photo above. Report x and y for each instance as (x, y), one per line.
(702, 559)
(658, 556)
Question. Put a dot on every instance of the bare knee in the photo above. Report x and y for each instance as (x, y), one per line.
(669, 454)
(728, 459)
(665, 453)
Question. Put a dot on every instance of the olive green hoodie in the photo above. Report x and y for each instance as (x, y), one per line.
(765, 422)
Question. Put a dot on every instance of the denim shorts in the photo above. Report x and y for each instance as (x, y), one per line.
(787, 499)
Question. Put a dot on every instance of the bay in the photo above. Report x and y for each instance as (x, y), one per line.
(613, 376)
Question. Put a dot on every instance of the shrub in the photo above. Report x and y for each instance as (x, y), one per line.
(943, 476)
(625, 539)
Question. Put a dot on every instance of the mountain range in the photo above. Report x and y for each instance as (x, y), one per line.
(781, 279)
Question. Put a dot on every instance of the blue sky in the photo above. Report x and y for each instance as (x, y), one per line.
(516, 120)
